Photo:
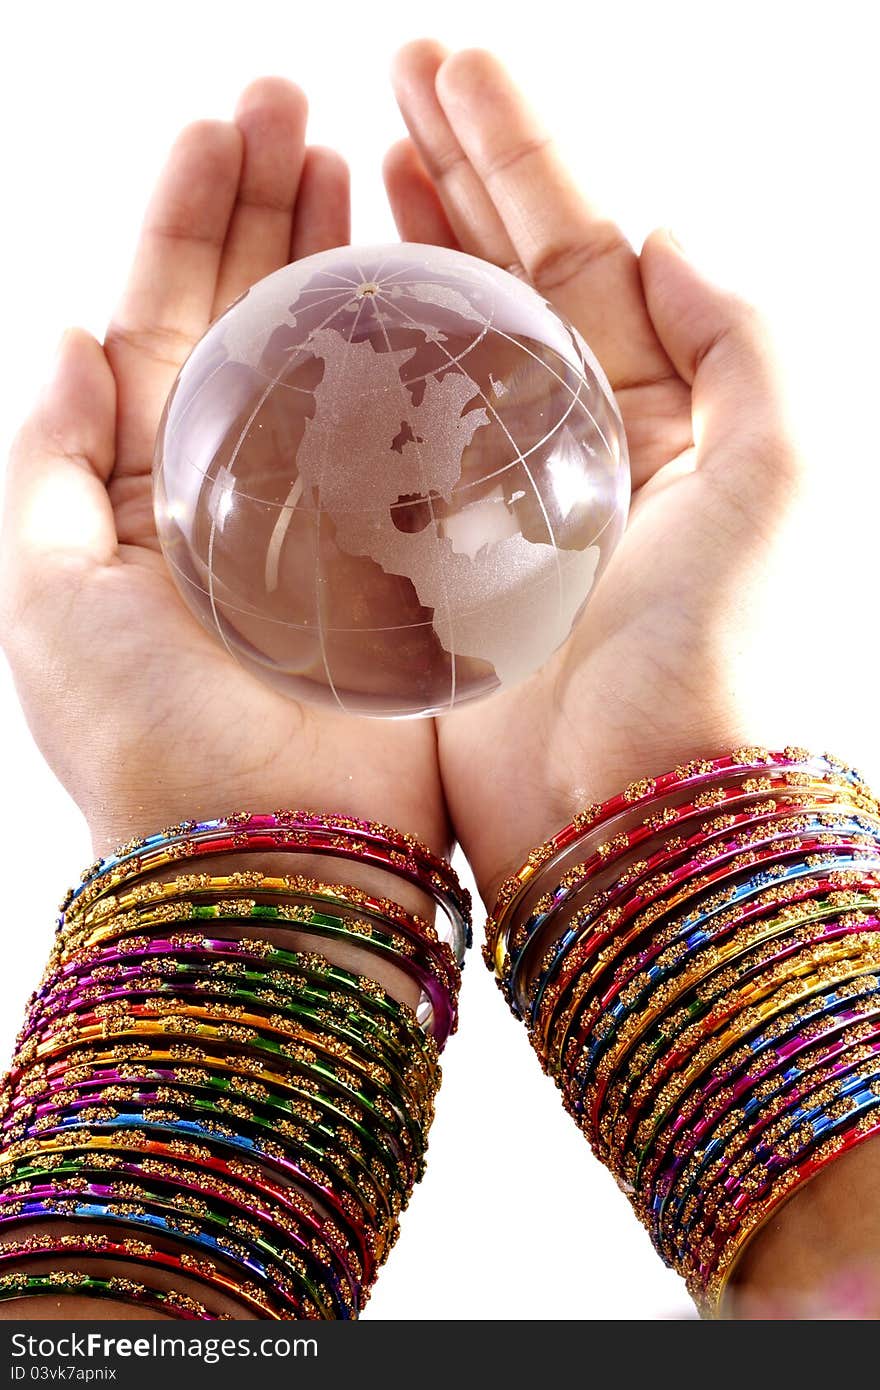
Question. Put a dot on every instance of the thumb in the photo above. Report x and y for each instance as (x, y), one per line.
(56, 503)
(723, 348)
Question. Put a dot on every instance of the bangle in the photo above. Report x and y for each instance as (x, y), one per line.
(320, 1051)
(374, 925)
(212, 959)
(798, 989)
(850, 1005)
(295, 832)
(713, 948)
(191, 1220)
(659, 796)
(137, 1252)
(667, 941)
(219, 1093)
(350, 1169)
(682, 1043)
(698, 964)
(355, 1246)
(748, 1132)
(287, 1013)
(338, 1091)
(193, 1076)
(313, 1255)
(715, 1279)
(121, 1290)
(357, 1122)
(701, 910)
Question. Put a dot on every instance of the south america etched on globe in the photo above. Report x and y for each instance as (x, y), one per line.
(387, 479)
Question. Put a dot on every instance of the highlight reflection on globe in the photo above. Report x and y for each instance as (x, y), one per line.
(387, 479)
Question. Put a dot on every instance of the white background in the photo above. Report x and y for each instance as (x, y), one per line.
(751, 130)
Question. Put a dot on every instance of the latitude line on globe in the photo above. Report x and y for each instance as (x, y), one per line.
(285, 386)
(198, 394)
(191, 402)
(328, 295)
(298, 627)
(575, 395)
(387, 279)
(422, 376)
(411, 381)
(333, 294)
(410, 269)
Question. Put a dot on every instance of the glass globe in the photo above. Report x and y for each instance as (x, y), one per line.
(387, 479)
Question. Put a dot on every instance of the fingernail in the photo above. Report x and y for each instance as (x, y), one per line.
(675, 241)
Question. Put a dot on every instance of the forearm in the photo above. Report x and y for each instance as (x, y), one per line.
(302, 987)
(648, 961)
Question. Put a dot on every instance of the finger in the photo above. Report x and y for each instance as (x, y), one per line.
(723, 348)
(168, 301)
(56, 504)
(323, 206)
(573, 255)
(418, 211)
(474, 220)
(271, 116)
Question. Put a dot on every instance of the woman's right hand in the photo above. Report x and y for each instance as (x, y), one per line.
(704, 633)
(685, 647)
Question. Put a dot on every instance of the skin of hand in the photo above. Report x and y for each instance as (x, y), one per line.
(141, 714)
(142, 717)
(689, 644)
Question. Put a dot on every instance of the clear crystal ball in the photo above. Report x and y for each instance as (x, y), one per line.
(387, 479)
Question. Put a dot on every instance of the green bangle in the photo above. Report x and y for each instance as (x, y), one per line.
(62, 1281)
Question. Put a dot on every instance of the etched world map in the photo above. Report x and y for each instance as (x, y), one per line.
(387, 479)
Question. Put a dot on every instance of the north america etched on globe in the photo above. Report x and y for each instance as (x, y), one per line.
(421, 413)
(361, 472)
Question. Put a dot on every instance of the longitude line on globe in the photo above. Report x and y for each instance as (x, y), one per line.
(229, 467)
(427, 492)
(519, 459)
(322, 637)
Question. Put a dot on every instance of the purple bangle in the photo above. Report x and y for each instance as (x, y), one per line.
(753, 899)
(662, 1177)
(629, 1099)
(793, 1093)
(826, 1016)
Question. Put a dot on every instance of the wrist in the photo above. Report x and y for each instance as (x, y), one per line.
(696, 963)
(594, 772)
(197, 1071)
(381, 793)
(305, 852)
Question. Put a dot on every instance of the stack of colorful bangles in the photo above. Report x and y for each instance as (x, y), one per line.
(698, 964)
(201, 1095)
